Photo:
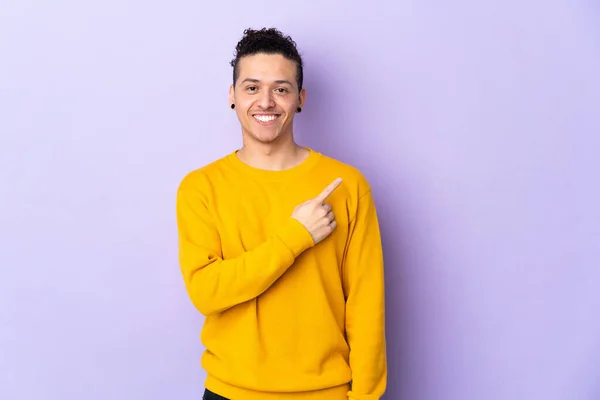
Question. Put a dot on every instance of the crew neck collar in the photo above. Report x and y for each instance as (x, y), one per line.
(276, 175)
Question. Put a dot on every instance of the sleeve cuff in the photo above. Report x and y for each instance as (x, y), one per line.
(295, 237)
(355, 396)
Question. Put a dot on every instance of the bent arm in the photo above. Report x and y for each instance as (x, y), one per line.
(214, 284)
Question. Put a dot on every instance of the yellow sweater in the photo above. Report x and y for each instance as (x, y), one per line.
(285, 318)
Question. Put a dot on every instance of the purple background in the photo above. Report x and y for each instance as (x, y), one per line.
(477, 124)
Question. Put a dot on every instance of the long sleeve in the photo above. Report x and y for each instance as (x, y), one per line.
(214, 284)
(363, 280)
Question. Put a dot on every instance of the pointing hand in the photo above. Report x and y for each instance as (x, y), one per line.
(316, 215)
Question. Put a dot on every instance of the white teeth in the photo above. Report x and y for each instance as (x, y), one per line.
(265, 118)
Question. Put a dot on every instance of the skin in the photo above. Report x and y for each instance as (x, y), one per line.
(266, 85)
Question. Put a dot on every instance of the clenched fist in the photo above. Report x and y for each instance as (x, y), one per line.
(316, 215)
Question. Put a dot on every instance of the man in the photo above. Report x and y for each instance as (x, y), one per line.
(280, 250)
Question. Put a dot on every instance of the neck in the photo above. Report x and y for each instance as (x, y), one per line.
(279, 155)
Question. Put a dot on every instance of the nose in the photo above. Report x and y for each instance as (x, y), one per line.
(265, 101)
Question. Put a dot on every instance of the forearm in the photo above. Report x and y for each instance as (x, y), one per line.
(365, 330)
(215, 285)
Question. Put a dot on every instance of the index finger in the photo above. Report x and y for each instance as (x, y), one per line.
(328, 190)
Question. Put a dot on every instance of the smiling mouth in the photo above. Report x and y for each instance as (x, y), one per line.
(265, 119)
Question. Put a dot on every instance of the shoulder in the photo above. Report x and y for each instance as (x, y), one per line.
(352, 177)
(199, 179)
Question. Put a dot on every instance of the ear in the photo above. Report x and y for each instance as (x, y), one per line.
(231, 95)
(302, 97)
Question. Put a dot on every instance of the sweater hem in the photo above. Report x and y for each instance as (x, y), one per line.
(237, 393)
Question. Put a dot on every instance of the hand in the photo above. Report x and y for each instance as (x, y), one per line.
(316, 216)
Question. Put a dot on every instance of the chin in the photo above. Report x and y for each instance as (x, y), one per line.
(266, 138)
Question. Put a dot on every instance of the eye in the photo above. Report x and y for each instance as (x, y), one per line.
(281, 90)
(252, 88)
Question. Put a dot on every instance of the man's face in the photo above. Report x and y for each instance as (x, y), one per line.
(266, 96)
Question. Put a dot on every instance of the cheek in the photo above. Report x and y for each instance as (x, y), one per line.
(243, 107)
(289, 106)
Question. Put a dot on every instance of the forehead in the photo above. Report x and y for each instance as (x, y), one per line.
(266, 67)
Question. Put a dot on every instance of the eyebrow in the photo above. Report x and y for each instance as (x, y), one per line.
(279, 81)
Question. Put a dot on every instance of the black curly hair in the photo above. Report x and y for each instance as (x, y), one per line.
(267, 41)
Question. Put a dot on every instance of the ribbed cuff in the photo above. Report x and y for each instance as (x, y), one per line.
(355, 396)
(295, 237)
